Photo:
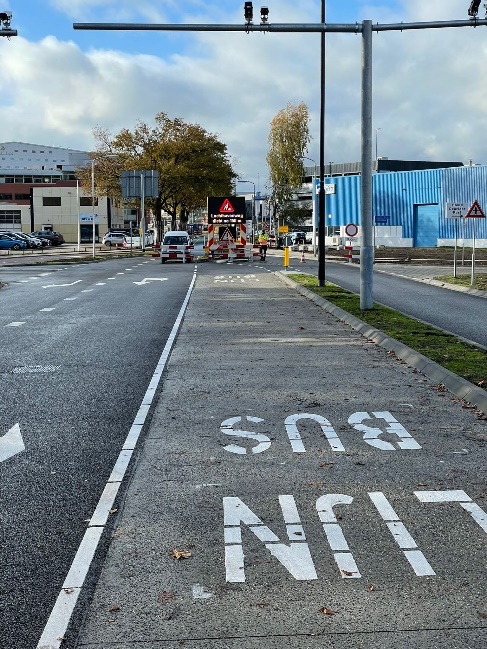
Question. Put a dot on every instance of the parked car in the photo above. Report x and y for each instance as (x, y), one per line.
(31, 242)
(9, 243)
(114, 239)
(56, 238)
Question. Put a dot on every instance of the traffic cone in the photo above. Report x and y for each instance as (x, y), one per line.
(302, 260)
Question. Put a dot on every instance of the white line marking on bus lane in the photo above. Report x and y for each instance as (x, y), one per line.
(57, 624)
(15, 324)
(295, 557)
(476, 512)
(402, 537)
(48, 309)
(334, 534)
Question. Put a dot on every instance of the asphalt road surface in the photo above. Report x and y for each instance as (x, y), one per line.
(453, 311)
(79, 345)
(305, 491)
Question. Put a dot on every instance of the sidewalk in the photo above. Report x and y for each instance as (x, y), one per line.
(284, 494)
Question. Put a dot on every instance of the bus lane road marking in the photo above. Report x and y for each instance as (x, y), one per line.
(294, 553)
(11, 443)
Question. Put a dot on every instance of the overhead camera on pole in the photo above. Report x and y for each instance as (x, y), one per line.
(5, 19)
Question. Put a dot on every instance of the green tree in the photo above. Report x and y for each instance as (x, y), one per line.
(288, 143)
(192, 164)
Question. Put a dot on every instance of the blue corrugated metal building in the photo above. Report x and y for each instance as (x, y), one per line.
(409, 207)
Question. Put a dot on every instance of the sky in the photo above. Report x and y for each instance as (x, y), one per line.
(429, 89)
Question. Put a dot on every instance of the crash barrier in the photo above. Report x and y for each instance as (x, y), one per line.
(179, 253)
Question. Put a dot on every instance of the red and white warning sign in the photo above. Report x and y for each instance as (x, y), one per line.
(227, 236)
(475, 211)
(351, 229)
(226, 207)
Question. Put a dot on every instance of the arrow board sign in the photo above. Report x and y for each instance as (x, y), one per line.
(11, 443)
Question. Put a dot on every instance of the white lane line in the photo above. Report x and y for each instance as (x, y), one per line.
(87, 290)
(59, 285)
(48, 309)
(15, 324)
(100, 283)
(57, 624)
(70, 299)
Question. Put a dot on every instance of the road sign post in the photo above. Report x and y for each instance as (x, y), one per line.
(474, 212)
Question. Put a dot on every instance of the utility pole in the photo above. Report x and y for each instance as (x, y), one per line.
(366, 29)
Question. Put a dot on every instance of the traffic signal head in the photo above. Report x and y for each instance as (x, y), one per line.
(474, 8)
(264, 14)
(248, 12)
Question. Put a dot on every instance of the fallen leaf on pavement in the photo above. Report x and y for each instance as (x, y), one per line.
(180, 554)
(327, 611)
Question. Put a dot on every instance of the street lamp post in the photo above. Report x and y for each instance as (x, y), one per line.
(253, 203)
(313, 204)
(93, 203)
(108, 155)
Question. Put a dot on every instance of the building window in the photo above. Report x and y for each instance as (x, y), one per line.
(27, 179)
(51, 201)
(85, 201)
(10, 216)
(5, 197)
(22, 197)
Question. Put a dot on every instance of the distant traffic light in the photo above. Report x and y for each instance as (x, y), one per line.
(248, 12)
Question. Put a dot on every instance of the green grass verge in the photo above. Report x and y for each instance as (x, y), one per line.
(459, 357)
(480, 281)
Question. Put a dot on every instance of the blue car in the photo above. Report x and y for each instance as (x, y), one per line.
(10, 243)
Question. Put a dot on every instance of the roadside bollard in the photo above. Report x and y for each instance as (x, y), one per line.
(286, 257)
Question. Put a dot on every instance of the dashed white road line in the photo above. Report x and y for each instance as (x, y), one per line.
(48, 309)
(15, 324)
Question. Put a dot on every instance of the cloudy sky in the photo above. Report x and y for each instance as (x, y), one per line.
(430, 95)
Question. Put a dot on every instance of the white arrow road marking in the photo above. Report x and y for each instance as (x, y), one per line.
(57, 285)
(11, 443)
(146, 280)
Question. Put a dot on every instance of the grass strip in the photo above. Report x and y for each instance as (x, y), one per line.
(461, 358)
(480, 281)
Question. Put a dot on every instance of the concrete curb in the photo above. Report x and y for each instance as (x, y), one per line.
(458, 386)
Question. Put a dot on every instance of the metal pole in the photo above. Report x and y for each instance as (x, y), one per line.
(367, 247)
(142, 211)
(455, 251)
(321, 195)
(472, 276)
(93, 203)
(77, 210)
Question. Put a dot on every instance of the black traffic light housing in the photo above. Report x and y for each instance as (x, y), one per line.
(474, 8)
(264, 14)
(248, 12)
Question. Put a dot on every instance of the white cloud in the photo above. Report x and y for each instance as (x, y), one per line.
(429, 94)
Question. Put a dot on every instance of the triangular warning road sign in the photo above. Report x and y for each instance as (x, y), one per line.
(226, 207)
(475, 211)
(227, 235)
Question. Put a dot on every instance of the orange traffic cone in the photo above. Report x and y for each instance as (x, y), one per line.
(302, 260)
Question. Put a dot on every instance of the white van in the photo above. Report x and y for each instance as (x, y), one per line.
(176, 246)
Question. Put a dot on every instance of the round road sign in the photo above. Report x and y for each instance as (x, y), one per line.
(351, 229)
